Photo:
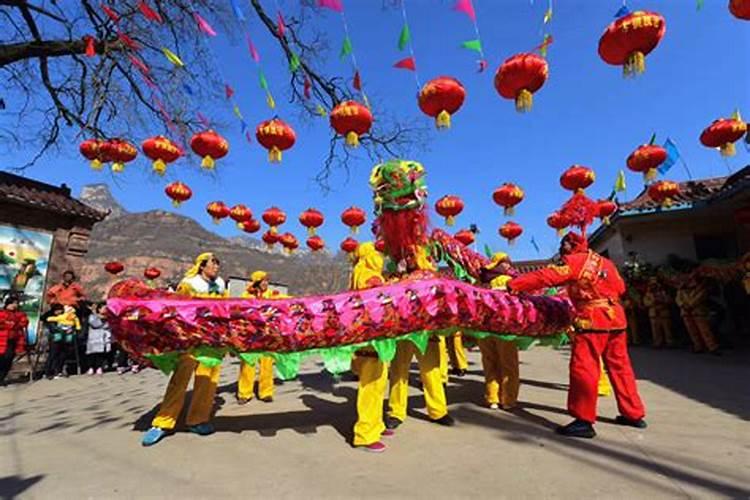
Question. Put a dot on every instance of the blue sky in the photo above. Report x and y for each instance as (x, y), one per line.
(586, 113)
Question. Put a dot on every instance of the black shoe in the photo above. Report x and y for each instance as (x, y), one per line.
(445, 420)
(638, 424)
(268, 399)
(243, 401)
(577, 428)
(392, 423)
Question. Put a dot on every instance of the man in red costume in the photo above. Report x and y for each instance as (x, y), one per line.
(595, 287)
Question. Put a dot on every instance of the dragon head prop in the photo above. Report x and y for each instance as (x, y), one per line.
(398, 185)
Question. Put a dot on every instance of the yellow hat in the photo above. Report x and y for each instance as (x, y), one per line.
(497, 258)
(365, 249)
(204, 257)
(258, 276)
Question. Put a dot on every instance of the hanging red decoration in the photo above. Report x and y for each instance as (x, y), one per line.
(519, 77)
(274, 217)
(353, 217)
(510, 231)
(580, 211)
(178, 192)
(440, 98)
(311, 219)
(289, 242)
(628, 40)
(607, 208)
(270, 239)
(315, 243)
(577, 178)
(119, 152)
(380, 246)
(508, 196)
(151, 273)
(217, 210)
(646, 159)
(114, 267)
(250, 226)
(558, 222)
(663, 192)
(161, 151)
(349, 245)
(240, 213)
(351, 119)
(723, 134)
(449, 206)
(740, 9)
(465, 237)
(91, 150)
(276, 136)
(210, 146)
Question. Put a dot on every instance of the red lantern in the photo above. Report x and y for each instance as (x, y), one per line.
(270, 239)
(510, 231)
(151, 273)
(723, 134)
(465, 237)
(628, 40)
(577, 178)
(289, 242)
(315, 243)
(179, 192)
(217, 210)
(508, 196)
(353, 217)
(351, 119)
(349, 245)
(380, 246)
(519, 77)
(311, 219)
(119, 152)
(276, 136)
(250, 226)
(211, 146)
(558, 222)
(240, 213)
(91, 150)
(449, 206)
(114, 267)
(663, 192)
(440, 98)
(740, 9)
(274, 217)
(161, 151)
(606, 209)
(646, 159)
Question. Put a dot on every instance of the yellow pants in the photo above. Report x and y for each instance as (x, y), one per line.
(501, 371)
(699, 330)
(661, 331)
(456, 352)
(246, 380)
(204, 390)
(373, 378)
(429, 371)
(443, 350)
(604, 388)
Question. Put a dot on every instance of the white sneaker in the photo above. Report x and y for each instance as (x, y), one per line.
(90, 372)
(494, 406)
(59, 375)
(99, 371)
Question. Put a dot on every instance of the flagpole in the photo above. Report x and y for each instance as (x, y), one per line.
(682, 160)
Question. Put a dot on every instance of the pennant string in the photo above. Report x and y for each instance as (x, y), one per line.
(411, 46)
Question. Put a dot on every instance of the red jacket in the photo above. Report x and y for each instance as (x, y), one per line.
(13, 327)
(593, 285)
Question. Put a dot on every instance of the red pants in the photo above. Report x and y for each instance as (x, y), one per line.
(588, 349)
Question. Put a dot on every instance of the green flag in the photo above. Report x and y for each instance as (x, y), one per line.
(346, 48)
(263, 81)
(404, 37)
(475, 45)
(699, 5)
(293, 62)
(620, 182)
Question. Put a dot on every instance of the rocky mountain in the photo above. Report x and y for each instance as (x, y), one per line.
(99, 196)
(170, 242)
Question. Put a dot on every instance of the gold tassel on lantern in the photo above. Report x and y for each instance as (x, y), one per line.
(352, 139)
(311, 231)
(450, 220)
(650, 175)
(274, 155)
(207, 163)
(635, 65)
(355, 229)
(274, 230)
(159, 167)
(524, 101)
(560, 232)
(216, 221)
(96, 164)
(728, 149)
(118, 167)
(509, 211)
(176, 203)
(443, 120)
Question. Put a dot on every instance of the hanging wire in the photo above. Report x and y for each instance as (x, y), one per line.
(411, 46)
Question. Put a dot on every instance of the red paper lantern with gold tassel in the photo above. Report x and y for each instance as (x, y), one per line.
(353, 217)
(558, 222)
(114, 267)
(151, 273)
(577, 178)
(508, 196)
(519, 77)
(240, 213)
(91, 150)
(161, 151)
(465, 237)
(646, 159)
(349, 245)
(274, 217)
(607, 208)
(351, 119)
(119, 152)
(628, 40)
(178, 192)
(663, 192)
(289, 242)
(449, 206)
(276, 136)
(510, 231)
(250, 226)
(723, 133)
(311, 219)
(315, 243)
(210, 146)
(270, 238)
(440, 98)
(218, 211)
(740, 9)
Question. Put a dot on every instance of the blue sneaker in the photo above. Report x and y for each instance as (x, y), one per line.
(153, 436)
(202, 429)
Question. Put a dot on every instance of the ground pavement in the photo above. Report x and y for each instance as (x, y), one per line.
(80, 438)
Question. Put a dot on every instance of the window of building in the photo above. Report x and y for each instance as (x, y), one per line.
(715, 246)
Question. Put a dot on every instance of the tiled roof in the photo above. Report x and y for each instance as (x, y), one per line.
(702, 190)
(28, 192)
(525, 266)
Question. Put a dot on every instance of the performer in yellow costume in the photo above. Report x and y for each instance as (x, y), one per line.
(429, 369)
(257, 288)
(201, 280)
(373, 373)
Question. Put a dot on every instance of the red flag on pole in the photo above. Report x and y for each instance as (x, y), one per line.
(407, 63)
